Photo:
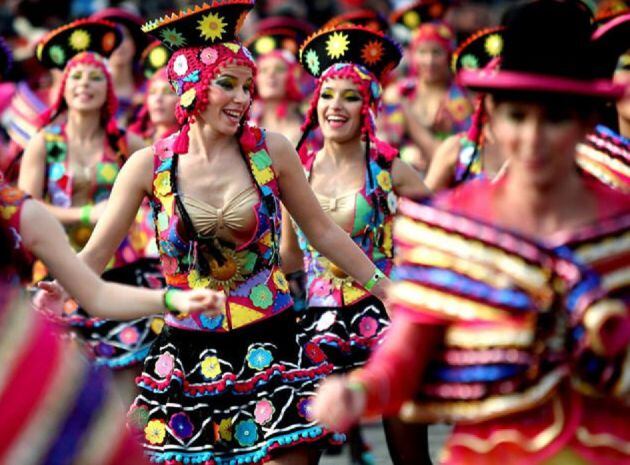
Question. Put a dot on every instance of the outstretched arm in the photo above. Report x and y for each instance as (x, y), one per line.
(323, 233)
(46, 239)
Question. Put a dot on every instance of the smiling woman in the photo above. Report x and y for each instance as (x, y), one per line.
(216, 188)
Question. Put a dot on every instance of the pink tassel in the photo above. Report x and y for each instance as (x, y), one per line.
(180, 145)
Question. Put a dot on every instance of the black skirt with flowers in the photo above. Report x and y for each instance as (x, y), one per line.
(344, 336)
(121, 344)
(223, 398)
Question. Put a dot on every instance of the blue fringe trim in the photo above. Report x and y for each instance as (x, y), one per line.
(315, 432)
(126, 360)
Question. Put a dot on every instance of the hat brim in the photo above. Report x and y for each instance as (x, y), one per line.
(496, 81)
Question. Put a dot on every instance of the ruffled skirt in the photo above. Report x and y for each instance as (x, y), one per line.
(228, 398)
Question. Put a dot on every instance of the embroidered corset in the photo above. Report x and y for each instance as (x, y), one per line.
(521, 317)
(59, 179)
(20, 260)
(328, 285)
(249, 274)
(606, 156)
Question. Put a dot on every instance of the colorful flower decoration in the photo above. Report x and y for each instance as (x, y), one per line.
(172, 38)
(212, 27)
(209, 55)
(225, 429)
(337, 45)
(57, 54)
(494, 45)
(138, 417)
(259, 358)
(384, 180)
(129, 335)
(108, 42)
(368, 326)
(211, 322)
(210, 367)
(305, 409)
(155, 432)
(314, 352)
(187, 99)
(280, 281)
(263, 412)
(372, 52)
(181, 65)
(246, 433)
(80, 40)
(261, 296)
(264, 45)
(181, 425)
(411, 19)
(158, 57)
(326, 321)
(162, 183)
(196, 281)
(164, 365)
(470, 61)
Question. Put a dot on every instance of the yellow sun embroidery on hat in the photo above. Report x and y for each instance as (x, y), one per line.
(212, 26)
(80, 39)
(337, 45)
(494, 45)
(372, 52)
(158, 57)
(265, 45)
(411, 19)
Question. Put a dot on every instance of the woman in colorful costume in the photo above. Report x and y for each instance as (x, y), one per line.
(606, 152)
(470, 154)
(57, 408)
(156, 118)
(232, 387)
(357, 179)
(72, 167)
(511, 306)
(423, 109)
(281, 84)
(125, 63)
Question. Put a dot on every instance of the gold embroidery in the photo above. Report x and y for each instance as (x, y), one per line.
(596, 316)
(533, 444)
(602, 440)
(479, 338)
(492, 407)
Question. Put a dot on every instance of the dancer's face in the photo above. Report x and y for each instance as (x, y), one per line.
(538, 140)
(86, 88)
(339, 110)
(161, 101)
(271, 78)
(431, 60)
(123, 54)
(229, 98)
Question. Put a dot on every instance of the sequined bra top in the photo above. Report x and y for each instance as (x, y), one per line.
(367, 215)
(193, 257)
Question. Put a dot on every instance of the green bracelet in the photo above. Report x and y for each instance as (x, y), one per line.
(374, 280)
(86, 213)
(167, 298)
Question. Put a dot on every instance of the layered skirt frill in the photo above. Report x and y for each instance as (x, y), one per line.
(228, 398)
(344, 336)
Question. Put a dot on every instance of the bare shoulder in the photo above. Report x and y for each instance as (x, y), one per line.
(37, 144)
(281, 150)
(139, 166)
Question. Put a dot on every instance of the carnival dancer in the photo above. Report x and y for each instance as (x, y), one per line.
(156, 118)
(512, 300)
(421, 110)
(470, 154)
(57, 407)
(356, 178)
(281, 83)
(233, 387)
(606, 152)
(72, 167)
(125, 62)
